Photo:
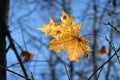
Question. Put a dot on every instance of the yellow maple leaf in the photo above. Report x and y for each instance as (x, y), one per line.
(54, 29)
(76, 47)
(67, 37)
(68, 27)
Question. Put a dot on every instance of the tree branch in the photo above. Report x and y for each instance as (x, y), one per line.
(104, 64)
(112, 27)
(2, 68)
(16, 53)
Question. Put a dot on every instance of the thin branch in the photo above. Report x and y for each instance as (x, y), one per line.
(32, 76)
(71, 70)
(113, 47)
(103, 64)
(82, 76)
(8, 48)
(112, 27)
(15, 51)
(18, 45)
(24, 40)
(109, 54)
(25, 62)
(59, 59)
(15, 73)
(69, 78)
(99, 73)
(14, 64)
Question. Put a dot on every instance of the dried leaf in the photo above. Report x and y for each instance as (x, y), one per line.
(67, 37)
(27, 56)
(76, 47)
(103, 50)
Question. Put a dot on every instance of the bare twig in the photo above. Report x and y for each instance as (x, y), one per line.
(14, 64)
(18, 45)
(99, 73)
(24, 40)
(113, 47)
(32, 76)
(103, 64)
(15, 73)
(69, 78)
(112, 27)
(8, 48)
(16, 53)
(82, 76)
(25, 62)
(109, 54)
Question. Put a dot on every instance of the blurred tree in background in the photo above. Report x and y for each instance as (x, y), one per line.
(101, 21)
(4, 4)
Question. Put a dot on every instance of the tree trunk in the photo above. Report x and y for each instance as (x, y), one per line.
(4, 5)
